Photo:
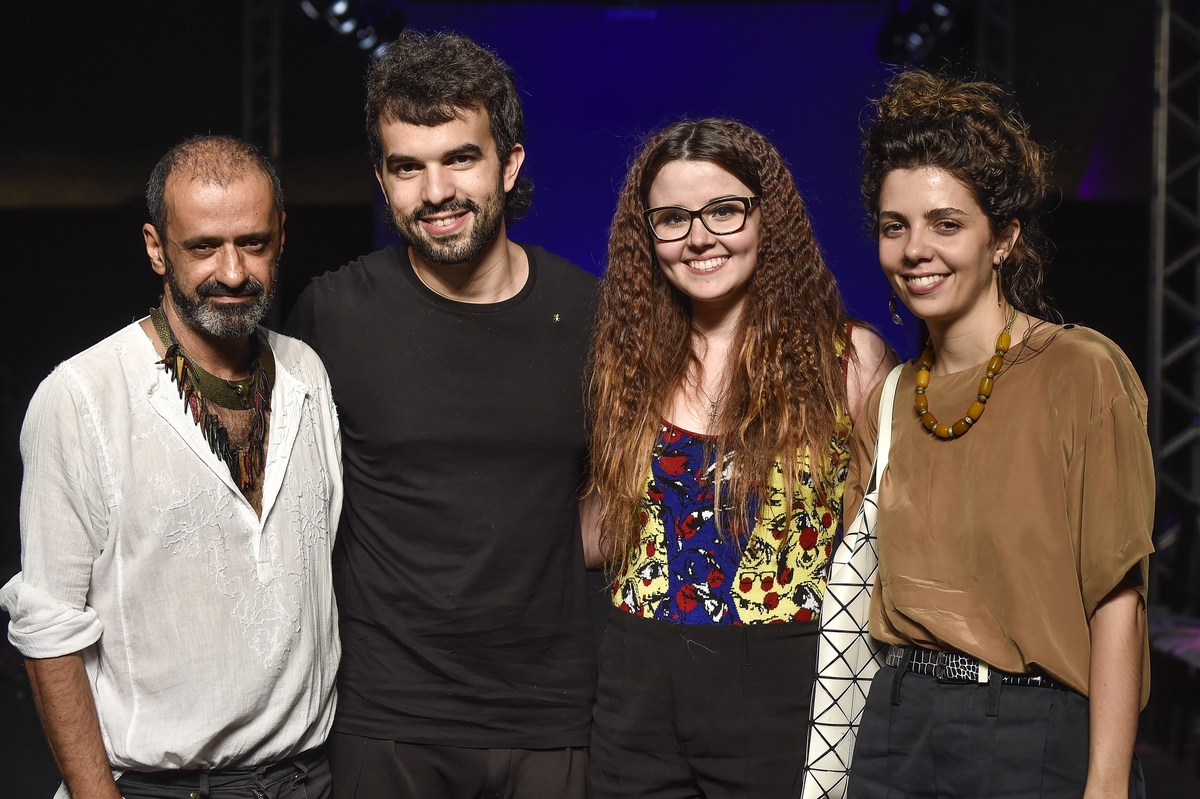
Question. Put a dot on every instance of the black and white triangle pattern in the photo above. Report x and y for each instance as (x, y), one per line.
(847, 656)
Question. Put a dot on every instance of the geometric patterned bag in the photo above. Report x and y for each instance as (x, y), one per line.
(847, 656)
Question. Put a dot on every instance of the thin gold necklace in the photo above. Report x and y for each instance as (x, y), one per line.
(712, 403)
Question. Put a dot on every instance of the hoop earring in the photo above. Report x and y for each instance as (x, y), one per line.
(896, 320)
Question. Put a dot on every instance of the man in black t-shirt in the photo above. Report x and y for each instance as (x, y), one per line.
(468, 664)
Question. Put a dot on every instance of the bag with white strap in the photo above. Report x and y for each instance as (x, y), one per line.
(847, 656)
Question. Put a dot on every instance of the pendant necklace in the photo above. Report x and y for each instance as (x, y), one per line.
(197, 388)
(712, 404)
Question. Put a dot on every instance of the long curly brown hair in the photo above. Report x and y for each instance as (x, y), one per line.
(786, 387)
(973, 131)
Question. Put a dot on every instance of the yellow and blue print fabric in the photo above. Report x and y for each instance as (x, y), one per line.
(688, 571)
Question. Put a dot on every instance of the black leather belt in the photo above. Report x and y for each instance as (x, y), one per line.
(220, 782)
(955, 667)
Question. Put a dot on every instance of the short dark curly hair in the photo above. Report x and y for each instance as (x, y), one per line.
(973, 131)
(431, 79)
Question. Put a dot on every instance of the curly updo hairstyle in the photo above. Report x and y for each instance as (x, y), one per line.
(973, 131)
(786, 389)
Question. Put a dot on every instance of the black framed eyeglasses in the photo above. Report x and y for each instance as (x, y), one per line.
(721, 217)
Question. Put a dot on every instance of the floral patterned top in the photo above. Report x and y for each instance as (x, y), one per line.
(686, 571)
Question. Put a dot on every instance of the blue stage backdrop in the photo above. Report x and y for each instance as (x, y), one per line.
(596, 79)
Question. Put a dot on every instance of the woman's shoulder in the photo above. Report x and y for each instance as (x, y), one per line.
(865, 364)
(866, 426)
(1074, 353)
(1076, 338)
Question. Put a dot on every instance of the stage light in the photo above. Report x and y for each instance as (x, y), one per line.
(912, 29)
(371, 22)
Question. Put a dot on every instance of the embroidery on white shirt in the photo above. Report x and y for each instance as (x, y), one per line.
(191, 525)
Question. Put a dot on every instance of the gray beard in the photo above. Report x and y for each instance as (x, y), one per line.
(220, 320)
(488, 218)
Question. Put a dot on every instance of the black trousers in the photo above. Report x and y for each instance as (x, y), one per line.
(686, 711)
(938, 742)
(369, 768)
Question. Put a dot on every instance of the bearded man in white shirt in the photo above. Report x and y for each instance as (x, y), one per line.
(182, 488)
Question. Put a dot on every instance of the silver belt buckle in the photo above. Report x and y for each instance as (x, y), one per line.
(939, 668)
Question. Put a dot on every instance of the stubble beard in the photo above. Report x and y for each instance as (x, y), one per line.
(221, 320)
(464, 247)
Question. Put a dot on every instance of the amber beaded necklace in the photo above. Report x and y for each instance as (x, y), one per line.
(961, 427)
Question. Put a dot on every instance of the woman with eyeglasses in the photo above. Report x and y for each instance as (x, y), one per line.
(1015, 512)
(725, 376)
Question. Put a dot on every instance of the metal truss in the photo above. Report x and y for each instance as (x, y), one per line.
(262, 51)
(995, 41)
(1174, 335)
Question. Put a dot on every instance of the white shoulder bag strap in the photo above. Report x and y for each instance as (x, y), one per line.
(847, 656)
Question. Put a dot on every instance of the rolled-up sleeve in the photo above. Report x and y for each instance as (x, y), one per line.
(1117, 502)
(63, 523)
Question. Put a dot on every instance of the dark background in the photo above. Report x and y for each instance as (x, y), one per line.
(93, 94)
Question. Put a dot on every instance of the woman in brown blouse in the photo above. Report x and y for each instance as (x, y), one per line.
(1013, 544)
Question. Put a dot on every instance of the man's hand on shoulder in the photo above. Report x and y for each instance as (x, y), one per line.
(589, 526)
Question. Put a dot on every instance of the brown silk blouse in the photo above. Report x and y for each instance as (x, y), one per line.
(1001, 543)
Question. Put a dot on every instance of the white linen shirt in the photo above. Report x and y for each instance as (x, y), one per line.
(209, 635)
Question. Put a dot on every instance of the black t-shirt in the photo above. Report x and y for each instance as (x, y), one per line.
(459, 568)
